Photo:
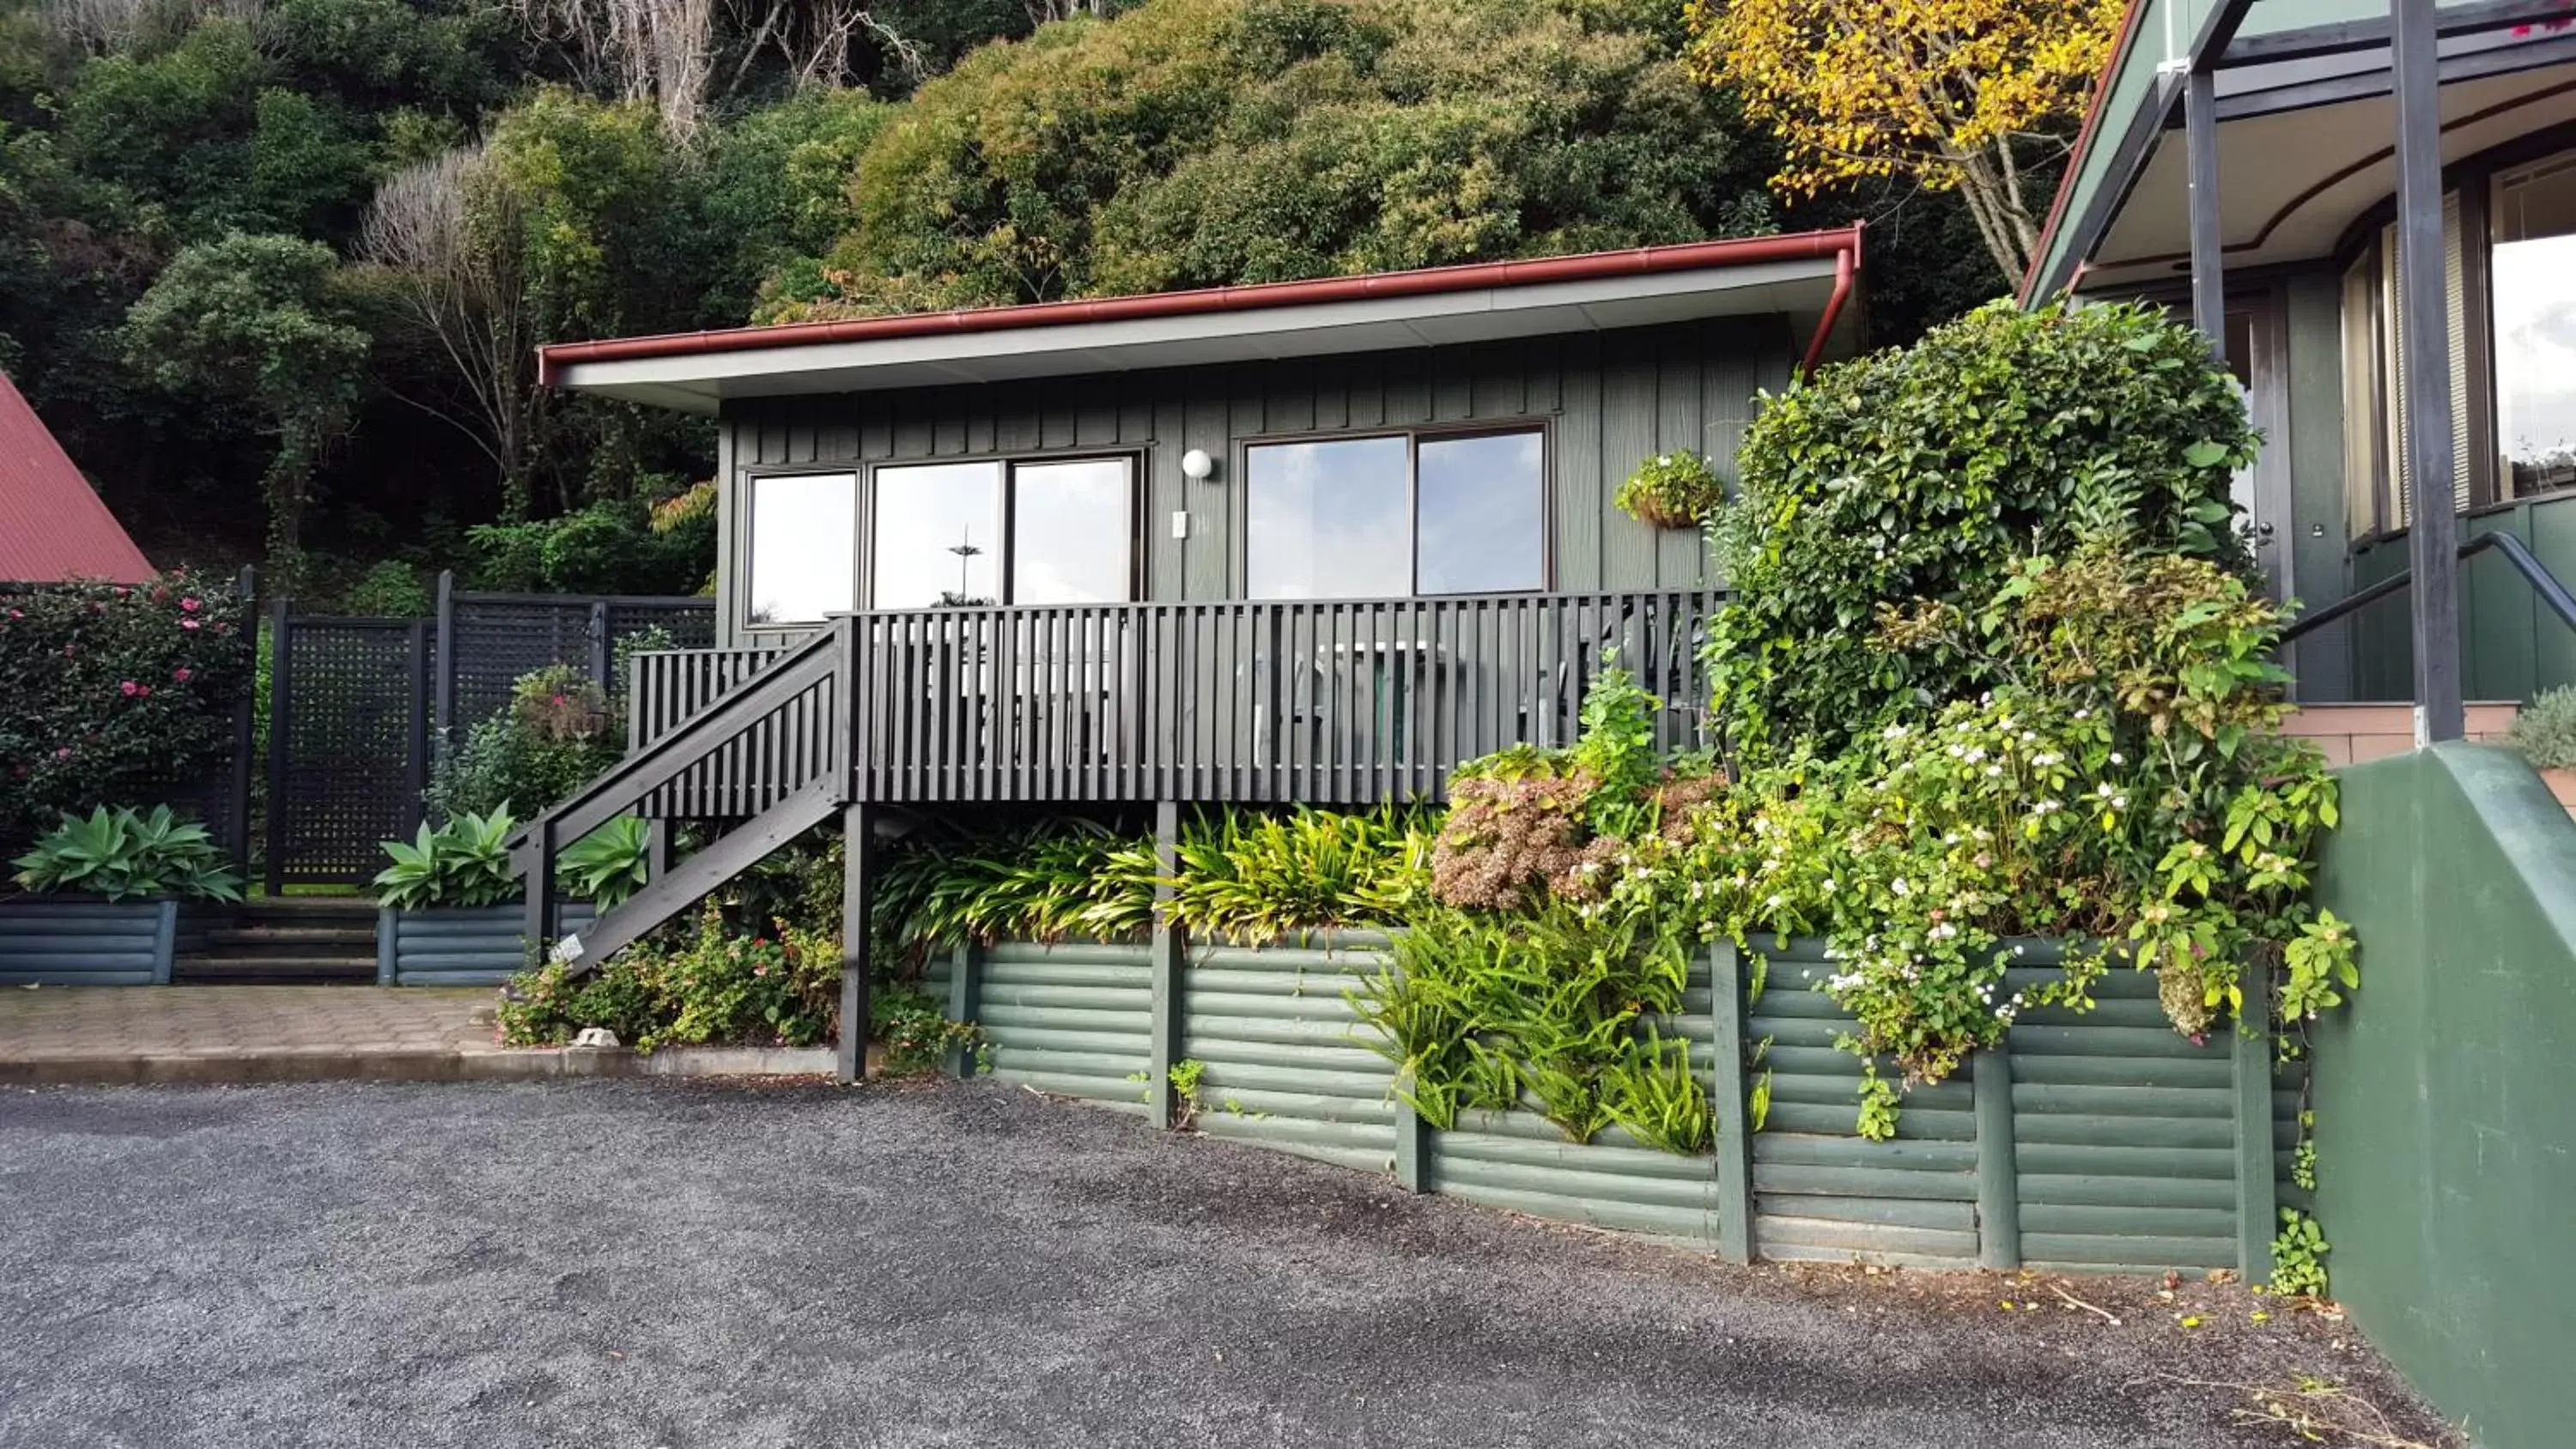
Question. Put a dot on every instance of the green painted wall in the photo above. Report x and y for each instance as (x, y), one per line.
(1610, 399)
(2513, 646)
(2446, 1131)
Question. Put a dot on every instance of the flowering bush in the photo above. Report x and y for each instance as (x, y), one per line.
(111, 692)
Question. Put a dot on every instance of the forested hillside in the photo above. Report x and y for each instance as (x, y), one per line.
(274, 269)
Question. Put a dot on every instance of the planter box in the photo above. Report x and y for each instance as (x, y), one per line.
(459, 945)
(84, 942)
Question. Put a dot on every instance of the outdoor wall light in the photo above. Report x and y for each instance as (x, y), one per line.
(1196, 465)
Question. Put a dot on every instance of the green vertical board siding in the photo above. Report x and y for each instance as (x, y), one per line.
(2320, 526)
(2444, 1122)
(1073, 1019)
(1611, 399)
(1282, 1064)
(2512, 646)
(1819, 1189)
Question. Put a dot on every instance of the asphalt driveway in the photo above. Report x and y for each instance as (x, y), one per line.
(641, 1264)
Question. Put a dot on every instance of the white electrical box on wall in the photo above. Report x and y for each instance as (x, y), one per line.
(1181, 525)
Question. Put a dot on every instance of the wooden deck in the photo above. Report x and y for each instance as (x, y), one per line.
(1326, 702)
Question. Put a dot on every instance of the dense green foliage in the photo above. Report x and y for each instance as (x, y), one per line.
(2545, 729)
(1672, 490)
(114, 693)
(558, 730)
(123, 854)
(475, 185)
(1197, 142)
(1929, 472)
(707, 984)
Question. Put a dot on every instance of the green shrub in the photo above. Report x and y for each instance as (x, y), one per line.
(1044, 882)
(714, 985)
(1672, 490)
(1928, 473)
(123, 855)
(464, 862)
(2545, 729)
(109, 691)
(558, 731)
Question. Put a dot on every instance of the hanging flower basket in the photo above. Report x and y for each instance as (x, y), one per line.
(1672, 490)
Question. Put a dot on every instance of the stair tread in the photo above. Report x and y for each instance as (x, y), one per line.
(293, 935)
(276, 963)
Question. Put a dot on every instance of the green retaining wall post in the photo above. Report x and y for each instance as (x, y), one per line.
(1734, 1129)
(965, 968)
(1412, 1141)
(1165, 1047)
(1998, 1175)
(2257, 1206)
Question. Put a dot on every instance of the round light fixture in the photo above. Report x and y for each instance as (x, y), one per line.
(1197, 465)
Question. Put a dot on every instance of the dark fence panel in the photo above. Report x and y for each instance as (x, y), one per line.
(348, 742)
(489, 640)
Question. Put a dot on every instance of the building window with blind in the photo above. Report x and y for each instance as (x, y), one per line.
(2509, 275)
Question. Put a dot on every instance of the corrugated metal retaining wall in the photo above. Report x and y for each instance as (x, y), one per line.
(2100, 1141)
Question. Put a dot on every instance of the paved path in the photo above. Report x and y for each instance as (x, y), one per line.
(238, 1033)
(679, 1264)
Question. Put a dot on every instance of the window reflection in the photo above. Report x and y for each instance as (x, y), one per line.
(1326, 520)
(938, 536)
(2533, 280)
(803, 541)
(1072, 532)
(1480, 507)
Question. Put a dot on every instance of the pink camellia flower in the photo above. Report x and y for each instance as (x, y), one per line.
(189, 624)
(64, 753)
(127, 689)
(182, 674)
(189, 606)
(122, 591)
(143, 691)
(67, 651)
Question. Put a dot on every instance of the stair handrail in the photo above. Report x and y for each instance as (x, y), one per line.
(624, 785)
(2552, 592)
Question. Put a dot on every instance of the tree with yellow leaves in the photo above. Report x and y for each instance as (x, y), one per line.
(1954, 94)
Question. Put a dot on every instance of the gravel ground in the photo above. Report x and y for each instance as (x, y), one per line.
(642, 1264)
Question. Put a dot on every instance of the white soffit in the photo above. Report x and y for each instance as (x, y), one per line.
(2291, 184)
(698, 382)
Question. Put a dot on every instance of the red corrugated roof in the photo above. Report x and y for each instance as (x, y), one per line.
(52, 526)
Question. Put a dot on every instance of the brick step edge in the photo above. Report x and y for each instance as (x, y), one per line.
(340, 1064)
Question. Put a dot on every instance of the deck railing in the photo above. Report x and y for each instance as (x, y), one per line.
(1329, 702)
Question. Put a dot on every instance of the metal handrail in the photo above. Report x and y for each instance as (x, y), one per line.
(2544, 583)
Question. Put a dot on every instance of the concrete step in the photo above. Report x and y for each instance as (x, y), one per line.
(232, 969)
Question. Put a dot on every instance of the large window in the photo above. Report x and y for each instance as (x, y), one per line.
(1383, 517)
(2509, 283)
(1039, 532)
(2533, 280)
(804, 535)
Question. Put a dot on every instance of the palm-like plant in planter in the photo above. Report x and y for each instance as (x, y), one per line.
(465, 862)
(106, 889)
(123, 855)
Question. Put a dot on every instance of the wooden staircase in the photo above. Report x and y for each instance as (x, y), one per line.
(790, 704)
(279, 941)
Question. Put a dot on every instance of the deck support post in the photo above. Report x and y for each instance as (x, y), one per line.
(2424, 372)
(858, 885)
(539, 929)
(1726, 1004)
(2208, 264)
(1165, 1048)
(965, 982)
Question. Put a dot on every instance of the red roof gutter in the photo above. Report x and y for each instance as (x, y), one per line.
(1844, 245)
